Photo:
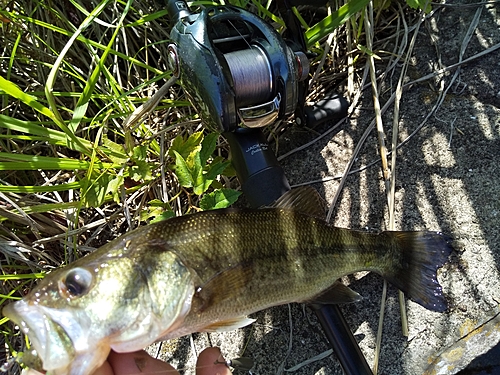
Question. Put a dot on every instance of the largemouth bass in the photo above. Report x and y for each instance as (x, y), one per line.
(207, 272)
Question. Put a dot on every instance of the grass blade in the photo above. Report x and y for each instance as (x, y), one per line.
(330, 23)
(20, 162)
(83, 101)
(24, 19)
(39, 189)
(13, 90)
(52, 136)
(49, 86)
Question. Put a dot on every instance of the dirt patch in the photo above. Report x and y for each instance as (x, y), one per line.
(448, 180)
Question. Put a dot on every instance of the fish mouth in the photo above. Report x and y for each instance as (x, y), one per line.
(52, 344)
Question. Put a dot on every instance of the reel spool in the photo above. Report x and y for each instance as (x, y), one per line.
(253, 84)
(252, 75)
(236, 69)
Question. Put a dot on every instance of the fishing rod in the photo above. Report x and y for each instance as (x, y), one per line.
(241, 76)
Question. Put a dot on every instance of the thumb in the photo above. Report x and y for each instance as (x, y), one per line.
(211, 362)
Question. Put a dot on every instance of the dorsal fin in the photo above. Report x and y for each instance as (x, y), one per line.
(304, 199)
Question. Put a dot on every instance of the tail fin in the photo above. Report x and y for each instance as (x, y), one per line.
(420, 254)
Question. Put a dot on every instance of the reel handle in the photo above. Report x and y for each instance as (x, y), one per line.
(331, 107)
(177, 9)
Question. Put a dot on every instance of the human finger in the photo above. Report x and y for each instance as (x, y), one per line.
(30, 371)
(211, 362)
(104, 369)
(138, 363)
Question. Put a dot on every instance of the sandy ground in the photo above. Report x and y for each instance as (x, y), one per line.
(447, 180)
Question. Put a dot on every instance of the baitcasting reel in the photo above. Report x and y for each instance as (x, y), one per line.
(236, 69)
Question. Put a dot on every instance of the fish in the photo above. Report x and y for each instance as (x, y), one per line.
(208, 272)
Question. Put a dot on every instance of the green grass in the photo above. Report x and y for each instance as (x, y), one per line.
(70, 77)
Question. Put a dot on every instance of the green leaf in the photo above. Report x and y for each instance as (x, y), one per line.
(420, 4)
(38, 275)
(140, 153)
(204, 179)
(21, 19)
(219, 199)
(201, 185)
(216, 168)
(13, 90)
(157, 210)
(191, 157)
(84, 99)
(51, 78)
(95, 193)
(186, 146)
(140, 171)
(20, 162)
(266, 12)
(182, 171)
(194, 162)
(163, 216)
(148, 18)
(114, 151)
(52, 136)
(71, 141)
(208, 147)
(47, 207)
(114, 186)
(39, 189)
(368, 52)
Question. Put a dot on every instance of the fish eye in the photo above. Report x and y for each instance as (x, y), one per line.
(76, 283)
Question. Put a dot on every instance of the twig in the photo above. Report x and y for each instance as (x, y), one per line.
(281, 367)
(77, 231)
(325, 54)
(383, 154)
(147, 107)
(395, 136)
(310, 360)
(472, 5)
(34, 226)
(452, 126)
(350, 60)
(375, 93)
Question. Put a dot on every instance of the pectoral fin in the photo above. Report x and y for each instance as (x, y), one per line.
(223, 288)
(337, 293)
(229, 325)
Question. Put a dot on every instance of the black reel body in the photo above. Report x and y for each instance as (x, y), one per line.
(236, 69)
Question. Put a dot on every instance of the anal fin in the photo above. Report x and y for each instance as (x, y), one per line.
(337, 293)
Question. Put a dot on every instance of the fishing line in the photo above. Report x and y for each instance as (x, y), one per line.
(251, 72)
(238, 32)
(252, 75)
